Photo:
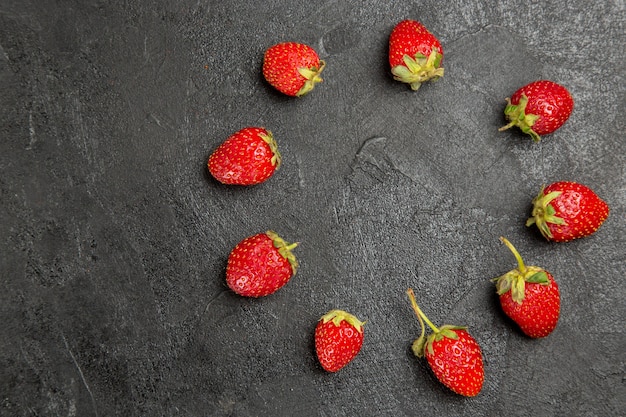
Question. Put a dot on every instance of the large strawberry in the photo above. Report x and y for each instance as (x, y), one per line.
(452, 353)
(566, 210)
(338, 339)
(529, 296)
(415, 54)
(292, 68)
(249, 156)
(539, 108)
(261, 264)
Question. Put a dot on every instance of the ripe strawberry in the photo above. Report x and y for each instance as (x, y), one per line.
(261, 264)
(539, 108)
(415, 54)
(567, 210)
(292, 68)
(249, 156)
(338, 339)
(529, 296)
(453, 355)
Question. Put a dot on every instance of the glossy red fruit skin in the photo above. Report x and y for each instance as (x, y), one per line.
(458, 364)
(292, 68)
(256, 268)
(337, 344)
(247, 157)
(539, 311)
(581, 210)
(550, 101)
(410, 37)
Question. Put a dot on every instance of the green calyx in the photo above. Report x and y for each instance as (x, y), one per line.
(516, 279)
(516, 115)
(284, 249)
(419, 69)
(269, 139)
(337, 316)
(543, 213)
(423, 343)
(312, 76)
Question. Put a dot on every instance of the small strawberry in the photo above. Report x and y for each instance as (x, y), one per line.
(338, 339)
(453, 355)
(249, 156)
(529, 296)
(292, 68)
(415, 54)
(260, 265)
(567, 210)
(539, 108)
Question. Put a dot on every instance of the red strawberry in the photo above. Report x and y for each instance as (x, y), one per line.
(529, 296)
(249, 156)
(292, 68)
(415, 54)
(539, 108)
(261, 264)
(338, 339)
(453, 355)
(567, 210)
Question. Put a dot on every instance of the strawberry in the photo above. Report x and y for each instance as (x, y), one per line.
(249, 156)
(260, 265)
(539, 108)
(415, 54)
(567, 210)
(452, 353)
(338, 339)
(292, 68)
(529, 296)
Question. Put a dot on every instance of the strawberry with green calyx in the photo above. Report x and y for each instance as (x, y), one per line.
(567, 210)
(452, 353)
(248, 157)
(539, 108)
(338, 339)
(292, 68)
(415, 54)
(530, 296)
(261, 264)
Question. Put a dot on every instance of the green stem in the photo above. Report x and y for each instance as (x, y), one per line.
(520, 261)
(420, 315)
(292, 246)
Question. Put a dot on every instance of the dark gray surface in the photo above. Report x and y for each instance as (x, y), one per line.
(115, 239)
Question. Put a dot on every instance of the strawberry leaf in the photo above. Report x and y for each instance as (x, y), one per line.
(418, 346)
(337, 316)
(543, 213)
(518, 291)
(540, 277)
(312, 77)
(450, 334)
(517, 116)
(284, 249)
(503, 284)
(418, 69)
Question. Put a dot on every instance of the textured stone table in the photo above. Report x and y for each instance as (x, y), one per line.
(115, 238)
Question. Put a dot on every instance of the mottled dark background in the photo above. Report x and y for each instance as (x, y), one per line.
(115, 238)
